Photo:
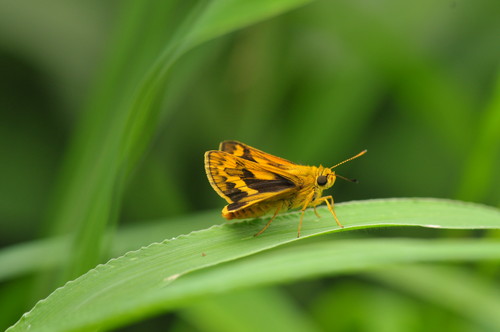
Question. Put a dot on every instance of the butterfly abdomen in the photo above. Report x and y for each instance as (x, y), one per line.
(253, 211)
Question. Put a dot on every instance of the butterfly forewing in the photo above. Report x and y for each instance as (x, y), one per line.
(243, 182)
(244, 151)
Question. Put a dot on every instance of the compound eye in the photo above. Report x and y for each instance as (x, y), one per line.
(322, 180)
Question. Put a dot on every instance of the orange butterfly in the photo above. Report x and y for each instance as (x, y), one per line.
(255, 183)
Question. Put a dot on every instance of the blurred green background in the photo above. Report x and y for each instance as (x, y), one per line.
(415, 83)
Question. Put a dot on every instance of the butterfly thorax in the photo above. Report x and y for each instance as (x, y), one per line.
(315, 180)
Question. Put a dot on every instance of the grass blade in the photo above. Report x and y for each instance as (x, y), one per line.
(166, 275)
(122, 128)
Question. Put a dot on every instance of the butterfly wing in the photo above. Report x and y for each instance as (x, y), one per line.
(242, 182)
(252, 154)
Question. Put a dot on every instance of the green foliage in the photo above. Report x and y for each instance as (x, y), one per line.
(110, 106)
(164, 276)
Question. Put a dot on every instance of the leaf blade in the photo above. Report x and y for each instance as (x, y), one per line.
(166, 275)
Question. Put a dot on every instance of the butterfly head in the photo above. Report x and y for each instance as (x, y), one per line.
(327, 177)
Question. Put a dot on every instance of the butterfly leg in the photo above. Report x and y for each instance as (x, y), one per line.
(306, 204)
(316, 212)
(280, 205)
(327, 200)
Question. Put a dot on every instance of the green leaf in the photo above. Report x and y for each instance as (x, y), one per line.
(168, 275)
(479, 301)
(267, 309)
(25, 258)
(228, 15)
(482, 159)
(122, 118)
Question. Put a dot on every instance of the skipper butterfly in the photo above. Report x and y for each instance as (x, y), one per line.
(255, 183)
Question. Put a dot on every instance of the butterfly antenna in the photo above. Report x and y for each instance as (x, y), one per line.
(354, 157)
(346, 179)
